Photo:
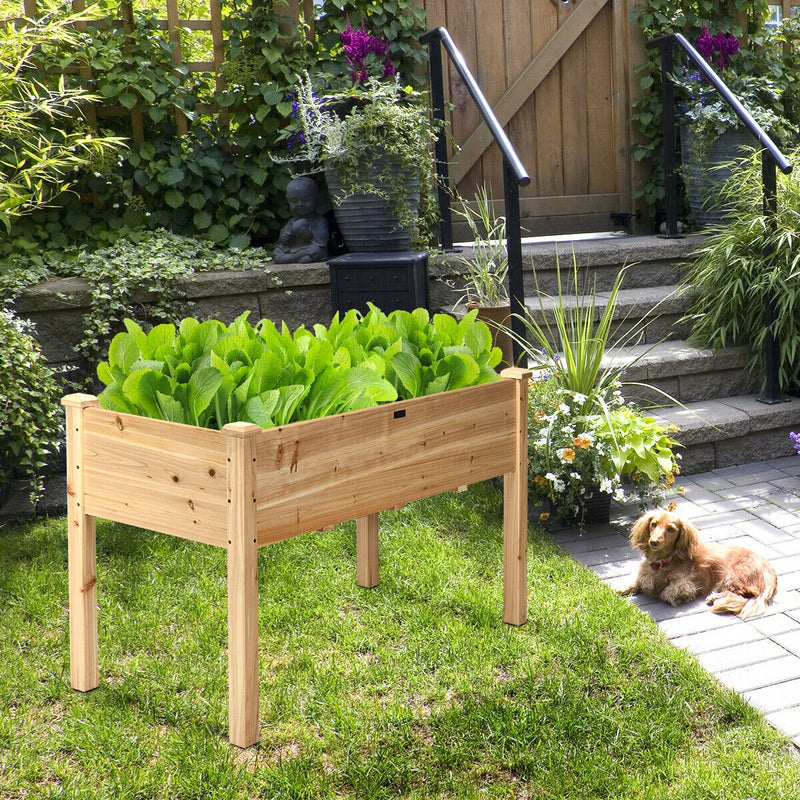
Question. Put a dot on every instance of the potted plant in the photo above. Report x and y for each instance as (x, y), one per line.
(586, 444)
(579, 461)
(712, 137)
(374, 143)
(482, 282)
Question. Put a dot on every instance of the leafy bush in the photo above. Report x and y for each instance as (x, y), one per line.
(207, 374)
(120, 275)
(219, 180)
(30, 422)
(43, 142)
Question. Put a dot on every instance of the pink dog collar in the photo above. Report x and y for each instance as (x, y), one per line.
(657, 565)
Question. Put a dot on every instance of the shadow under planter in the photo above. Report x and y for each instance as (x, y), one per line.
(392, 281)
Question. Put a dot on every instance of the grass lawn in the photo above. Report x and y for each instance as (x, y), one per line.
(414, 689)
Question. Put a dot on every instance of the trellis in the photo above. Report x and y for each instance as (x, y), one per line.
(175, 27)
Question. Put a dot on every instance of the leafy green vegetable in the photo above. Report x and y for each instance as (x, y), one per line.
(207, 374)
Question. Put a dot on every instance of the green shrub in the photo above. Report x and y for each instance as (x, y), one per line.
(30, 418)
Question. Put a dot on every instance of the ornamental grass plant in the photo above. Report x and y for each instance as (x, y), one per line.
(414, 689)
(747, 260)
(583, 436)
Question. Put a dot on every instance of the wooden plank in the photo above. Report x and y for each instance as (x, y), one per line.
(242, 584)
(175, 37)
(333, 469)
(133, 478)
(367, 561)
(606, 126)
(464, 116)
(515, 510)
(540, 67)
(82, 552)
(137, 120)
(521, 128)
(575, 117)
(569, 204)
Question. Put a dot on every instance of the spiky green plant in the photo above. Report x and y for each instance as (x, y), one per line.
(746, 260)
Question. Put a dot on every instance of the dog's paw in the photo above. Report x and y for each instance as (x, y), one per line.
(713, 597)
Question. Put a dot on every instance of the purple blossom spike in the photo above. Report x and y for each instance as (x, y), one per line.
(358, 46)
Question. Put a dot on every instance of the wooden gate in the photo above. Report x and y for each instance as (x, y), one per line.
(560, 76)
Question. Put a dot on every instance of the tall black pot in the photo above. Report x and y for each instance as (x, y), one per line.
(366, 220)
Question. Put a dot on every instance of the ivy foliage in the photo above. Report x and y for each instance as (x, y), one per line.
(30, 427)
(764, 73)
(220, 179)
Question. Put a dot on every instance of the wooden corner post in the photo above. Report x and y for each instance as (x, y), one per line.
(242, 584)
(515, 511)
(82, 548)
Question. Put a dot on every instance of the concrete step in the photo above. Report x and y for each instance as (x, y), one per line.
(660, 307)
(650, 261)
(687, 374)
(730, 431)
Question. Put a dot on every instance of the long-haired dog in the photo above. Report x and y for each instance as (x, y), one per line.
(677, 567)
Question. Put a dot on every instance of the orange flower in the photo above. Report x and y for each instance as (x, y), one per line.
(582, 441)
(567, 454)
(540, 481)
(544, 516)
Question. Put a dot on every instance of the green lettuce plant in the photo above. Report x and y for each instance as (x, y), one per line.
(209, 374)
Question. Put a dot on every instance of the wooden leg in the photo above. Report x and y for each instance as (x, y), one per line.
(515, 512)
(515, 551)
(243, 643)
(367, 550)
(82, 554)
(82, 602)
(242, 585)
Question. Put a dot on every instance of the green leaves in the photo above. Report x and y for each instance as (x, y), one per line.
(207, 374)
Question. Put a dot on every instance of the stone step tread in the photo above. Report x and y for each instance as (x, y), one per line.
(729, 417)
(651, 300)
(673, 358)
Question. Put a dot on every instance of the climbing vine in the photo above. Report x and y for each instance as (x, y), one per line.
(764, 70)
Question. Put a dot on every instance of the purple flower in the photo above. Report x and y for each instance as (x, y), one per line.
(723, 46)
(358, 46)
(795, 437)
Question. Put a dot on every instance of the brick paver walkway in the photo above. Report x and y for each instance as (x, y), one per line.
(758, 506)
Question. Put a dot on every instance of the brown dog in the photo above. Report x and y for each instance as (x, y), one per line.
(677, 567)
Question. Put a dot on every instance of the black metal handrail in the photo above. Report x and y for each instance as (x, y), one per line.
(771, 158)
(514, 173)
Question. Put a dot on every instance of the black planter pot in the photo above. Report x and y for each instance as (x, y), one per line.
(596, 510)
(704, 177)
(366, 221)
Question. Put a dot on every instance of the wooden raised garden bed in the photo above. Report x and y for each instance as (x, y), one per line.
(244, 487)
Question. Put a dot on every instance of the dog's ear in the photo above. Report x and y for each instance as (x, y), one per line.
(640, 532)
(688, 538)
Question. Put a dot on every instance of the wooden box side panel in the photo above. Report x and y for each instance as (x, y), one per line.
(333, 469)
(157, 475)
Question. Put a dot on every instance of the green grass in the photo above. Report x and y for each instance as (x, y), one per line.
(413, 689)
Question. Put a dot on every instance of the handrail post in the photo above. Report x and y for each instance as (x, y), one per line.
(440, 147)
(668, 133)
(772, 390)
(516, 288)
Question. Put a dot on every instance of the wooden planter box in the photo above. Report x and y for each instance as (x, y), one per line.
(244, 487)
